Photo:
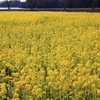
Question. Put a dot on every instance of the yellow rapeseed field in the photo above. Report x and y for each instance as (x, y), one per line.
(49, 56)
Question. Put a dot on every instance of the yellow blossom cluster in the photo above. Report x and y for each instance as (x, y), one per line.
(49, 56)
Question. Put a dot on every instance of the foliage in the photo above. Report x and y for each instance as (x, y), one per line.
(49, 56)
(51, 4)
(64, 3)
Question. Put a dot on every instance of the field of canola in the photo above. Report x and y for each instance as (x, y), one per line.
(49, 56)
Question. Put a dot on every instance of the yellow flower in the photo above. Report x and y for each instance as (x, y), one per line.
(30, 98)
(15, 95)
(40, 85)
(45, 87)
(50, 83)
(52, 65)
(56, 72)
(16, 98)
(75, 84)
(50, 72)
(28, 86)
(20, 84)
(93, 86)
(65, 86)
(62, 79)
(64, 59)
(3, 89)
(80, 93)
(16, 74)
(1, 93)
(35, 90)
(98, 91)
(2, 71)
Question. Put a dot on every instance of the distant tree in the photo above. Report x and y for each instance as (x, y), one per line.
(8, 3)
(76, 3)
(39, 3)
(35, 3)
(94, 4)
(63, 3)
(52, 3)
(31, 3)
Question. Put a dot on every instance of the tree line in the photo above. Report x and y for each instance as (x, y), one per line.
(58, 4)
(11, 3)
(61, 4)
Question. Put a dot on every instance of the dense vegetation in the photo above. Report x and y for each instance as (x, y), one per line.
(63, 3)
(53, 3)
(14, 3)
(49, 56)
